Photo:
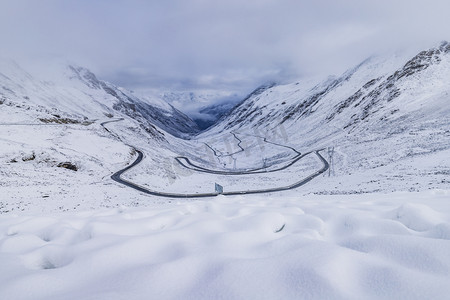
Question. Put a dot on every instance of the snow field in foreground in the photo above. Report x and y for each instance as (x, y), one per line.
(373, 246)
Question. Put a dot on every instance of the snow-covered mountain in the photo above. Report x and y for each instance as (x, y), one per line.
(386, 114)
(51, 123)
(371, 90)
(204, 107)
(75, 92)
(211, 114)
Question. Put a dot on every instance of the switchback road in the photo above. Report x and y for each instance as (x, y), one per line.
(118, 176)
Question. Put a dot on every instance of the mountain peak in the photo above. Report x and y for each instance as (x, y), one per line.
(85, 76)
(444, 47)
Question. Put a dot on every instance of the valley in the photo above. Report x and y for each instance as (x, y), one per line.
(333, 188)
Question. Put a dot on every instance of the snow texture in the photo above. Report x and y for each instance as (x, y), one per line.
(312, 247)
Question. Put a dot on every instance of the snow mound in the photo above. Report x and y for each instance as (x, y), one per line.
(417, 217)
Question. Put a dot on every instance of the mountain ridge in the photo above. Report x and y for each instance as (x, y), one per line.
(388, 113)
(381, 87)
(78, 92)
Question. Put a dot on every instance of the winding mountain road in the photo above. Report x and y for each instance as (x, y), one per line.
(118, 175)
(194, 167)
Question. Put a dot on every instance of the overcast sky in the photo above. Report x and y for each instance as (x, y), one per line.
(231, 45)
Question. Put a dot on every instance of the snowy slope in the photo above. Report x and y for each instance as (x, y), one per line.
(50, 121)
(382, 116)
(368, 90)
(76, 92)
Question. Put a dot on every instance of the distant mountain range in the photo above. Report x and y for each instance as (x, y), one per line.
(204, 107)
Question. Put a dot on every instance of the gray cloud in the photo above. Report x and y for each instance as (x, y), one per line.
(225, 45)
